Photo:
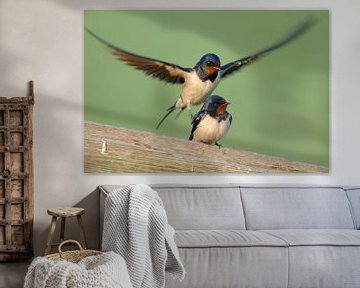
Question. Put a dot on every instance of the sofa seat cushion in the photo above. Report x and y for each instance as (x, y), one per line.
(231, 258)
(322, 258)
(226, 238)
(317, 237)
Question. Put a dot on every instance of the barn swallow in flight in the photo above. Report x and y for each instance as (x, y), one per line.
(197, 82)
(212, 122)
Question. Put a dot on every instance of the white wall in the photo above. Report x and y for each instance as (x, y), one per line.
(43, 40)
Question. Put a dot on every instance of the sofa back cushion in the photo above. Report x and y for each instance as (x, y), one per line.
(296, 208)
(354, 198)
(203, 208)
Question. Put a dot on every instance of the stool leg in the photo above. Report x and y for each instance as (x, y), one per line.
(51, 235)
(82, 232)
(62, 230)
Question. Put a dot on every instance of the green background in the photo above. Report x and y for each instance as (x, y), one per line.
(279, 104)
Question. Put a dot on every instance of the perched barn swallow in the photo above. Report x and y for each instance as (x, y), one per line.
(199, 81)
(212, 122)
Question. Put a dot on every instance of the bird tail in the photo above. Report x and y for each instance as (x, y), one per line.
(169, 111)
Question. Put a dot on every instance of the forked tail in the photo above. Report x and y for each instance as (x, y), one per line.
(169, 111)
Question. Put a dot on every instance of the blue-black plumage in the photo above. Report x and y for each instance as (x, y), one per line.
(212, 122)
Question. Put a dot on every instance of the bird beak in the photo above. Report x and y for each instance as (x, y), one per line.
(217, 68)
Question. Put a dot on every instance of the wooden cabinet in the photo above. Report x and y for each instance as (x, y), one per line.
(16, 177)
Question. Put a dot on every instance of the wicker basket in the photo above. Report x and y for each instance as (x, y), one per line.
(72, 256)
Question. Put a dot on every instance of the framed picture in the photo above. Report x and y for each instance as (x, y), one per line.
(267, 70)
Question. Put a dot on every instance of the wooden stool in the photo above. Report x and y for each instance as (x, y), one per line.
(64, 213)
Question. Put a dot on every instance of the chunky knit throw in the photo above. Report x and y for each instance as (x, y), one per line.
(136, 227)
(107, 270)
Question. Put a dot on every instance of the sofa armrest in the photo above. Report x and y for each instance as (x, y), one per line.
(103, 195)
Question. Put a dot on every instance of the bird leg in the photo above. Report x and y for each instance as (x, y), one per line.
(190, 113)
(218, 145)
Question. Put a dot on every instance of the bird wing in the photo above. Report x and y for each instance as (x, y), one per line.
(231, 67)
(195, 122)
(230, 118)
(165, 71)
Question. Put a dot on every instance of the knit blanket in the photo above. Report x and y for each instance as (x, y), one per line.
(107, 270)
(136, 227)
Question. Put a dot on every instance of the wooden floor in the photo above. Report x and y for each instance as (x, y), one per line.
(12, 275)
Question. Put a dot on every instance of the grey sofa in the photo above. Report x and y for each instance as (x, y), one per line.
(242, 236)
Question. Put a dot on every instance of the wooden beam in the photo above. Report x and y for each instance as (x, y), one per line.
(109, 149)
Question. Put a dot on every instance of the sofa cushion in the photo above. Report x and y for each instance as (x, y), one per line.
(220, 267)
(322, 258)
(192, 208)
(199, 207)
(296, 208)
(354, 198)
(324, 266)
(226, 238)
(317, 237)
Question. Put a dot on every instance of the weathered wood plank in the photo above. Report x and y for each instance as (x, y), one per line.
(16, 177)
(138, 151)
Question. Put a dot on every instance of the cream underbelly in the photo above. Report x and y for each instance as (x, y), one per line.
(195, 90)
(210, 130)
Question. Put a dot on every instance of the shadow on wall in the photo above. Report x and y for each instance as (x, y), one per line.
(91, 222)
(53, 154)
(62, 168)
(56, 180)
(58, 127)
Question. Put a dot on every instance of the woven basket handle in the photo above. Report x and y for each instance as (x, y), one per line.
(69, 241)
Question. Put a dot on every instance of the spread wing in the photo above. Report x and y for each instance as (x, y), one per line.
(168, 72)
(236, 65)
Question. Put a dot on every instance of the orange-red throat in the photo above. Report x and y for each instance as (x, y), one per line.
(222, 108)
(211, 69)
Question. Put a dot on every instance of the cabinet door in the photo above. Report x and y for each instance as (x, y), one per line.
(16, 199)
